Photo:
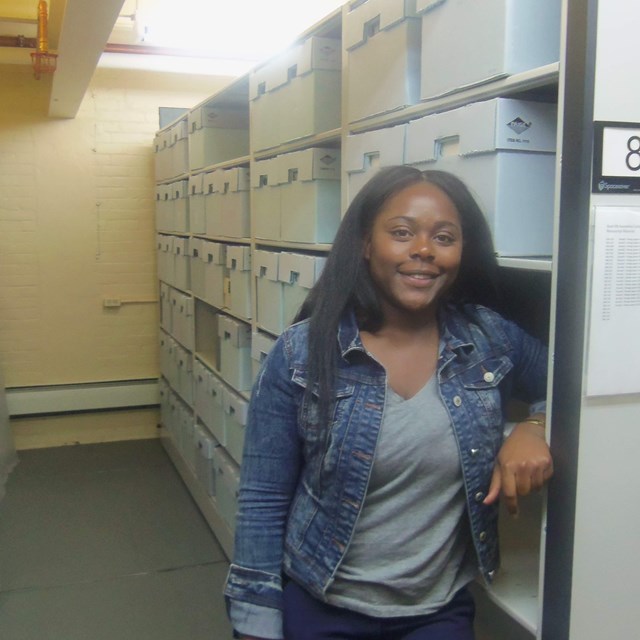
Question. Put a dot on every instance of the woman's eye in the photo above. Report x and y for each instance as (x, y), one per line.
(444, 238)
(400, 233)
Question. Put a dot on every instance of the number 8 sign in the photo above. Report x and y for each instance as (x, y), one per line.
(616, 157)
(633, 157)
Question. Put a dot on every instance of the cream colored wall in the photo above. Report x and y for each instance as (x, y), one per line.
(77, 226)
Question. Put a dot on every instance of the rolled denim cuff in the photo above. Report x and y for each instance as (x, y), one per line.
(255, 620)
(254, 586)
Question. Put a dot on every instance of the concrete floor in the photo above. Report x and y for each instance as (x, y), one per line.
(104, 542)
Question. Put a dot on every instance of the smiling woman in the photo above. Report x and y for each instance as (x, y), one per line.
(374, 452)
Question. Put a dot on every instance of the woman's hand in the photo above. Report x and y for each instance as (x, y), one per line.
(523, 465)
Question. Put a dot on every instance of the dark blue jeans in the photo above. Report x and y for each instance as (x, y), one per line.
(306, 618)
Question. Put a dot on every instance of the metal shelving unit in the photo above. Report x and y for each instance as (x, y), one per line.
(539, 552)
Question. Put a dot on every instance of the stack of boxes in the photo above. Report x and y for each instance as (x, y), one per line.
(504, 150)
(309, 186)
(296, 196)
(217, 134)
(171, 151)
(283, 280)
(297, 94)
(193, 269)
(424, 49)
(265, 199)
(205, 446)
(382, 44)
(172, 211)
(235, 352)
(214, 257)
(516, 35)
(269, 291)
(231, 217)
(298, 273)
(225, 193)
(173, 260)
(197, 219)
(239, 289)
(365, 153)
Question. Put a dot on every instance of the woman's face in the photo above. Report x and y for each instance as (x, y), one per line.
(414, 250)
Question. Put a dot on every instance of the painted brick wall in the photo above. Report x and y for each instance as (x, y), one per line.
(77, 226)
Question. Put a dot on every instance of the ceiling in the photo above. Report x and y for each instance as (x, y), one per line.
(217, 38)
(78, 31)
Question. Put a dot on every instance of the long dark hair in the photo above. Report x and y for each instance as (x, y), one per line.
(345, 283)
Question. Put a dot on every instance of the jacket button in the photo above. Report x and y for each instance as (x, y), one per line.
(457, 401)
(474, 452)
(489, 377)
(483, 536)
(479, 497)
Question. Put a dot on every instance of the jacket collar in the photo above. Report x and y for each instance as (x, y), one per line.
(448, 318)
(349, 335)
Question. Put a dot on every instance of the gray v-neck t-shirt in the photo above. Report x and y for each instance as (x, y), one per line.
(411, 550)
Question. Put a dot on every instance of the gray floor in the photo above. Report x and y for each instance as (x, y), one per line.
(104, 541)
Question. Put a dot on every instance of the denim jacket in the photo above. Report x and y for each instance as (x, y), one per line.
(302, 488)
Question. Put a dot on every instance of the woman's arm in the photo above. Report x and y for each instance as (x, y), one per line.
(524, 462)
(269, 477)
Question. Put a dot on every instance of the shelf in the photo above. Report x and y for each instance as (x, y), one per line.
(515, 589)
(205, 502)
(326, 138)
(268, 332)
(298, 246)
(223, 310)
(518, 83)
(207, 362)
(173, 286)
(182, 176)
(530, 264)
(179, 234)
(226, 164)
(225, 239)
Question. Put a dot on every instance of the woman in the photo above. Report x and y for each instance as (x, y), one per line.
(374, 453)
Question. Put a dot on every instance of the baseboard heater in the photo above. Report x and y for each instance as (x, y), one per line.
(85, 397)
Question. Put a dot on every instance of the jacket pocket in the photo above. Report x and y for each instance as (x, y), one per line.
(308, 415)
(484, 384)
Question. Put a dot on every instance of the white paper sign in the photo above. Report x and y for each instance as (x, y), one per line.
(614, 336)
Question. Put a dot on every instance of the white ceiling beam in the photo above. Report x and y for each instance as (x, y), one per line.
(86, 27)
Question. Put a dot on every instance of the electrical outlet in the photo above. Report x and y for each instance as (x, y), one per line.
(111, 303)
